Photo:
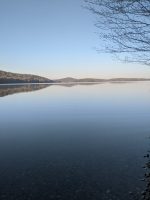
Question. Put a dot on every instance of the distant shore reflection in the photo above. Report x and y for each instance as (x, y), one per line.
(10, 89)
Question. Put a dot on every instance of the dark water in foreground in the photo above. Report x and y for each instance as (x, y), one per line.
(84, 142)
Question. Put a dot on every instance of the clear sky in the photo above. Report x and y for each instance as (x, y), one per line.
(56, 38)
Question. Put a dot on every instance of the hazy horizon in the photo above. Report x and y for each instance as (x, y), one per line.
(79, 77)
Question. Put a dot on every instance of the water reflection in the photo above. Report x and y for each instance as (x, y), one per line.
(6, 90)
(83, 142)
(12, 89)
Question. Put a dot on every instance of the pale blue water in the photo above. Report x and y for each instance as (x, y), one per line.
(74, 143)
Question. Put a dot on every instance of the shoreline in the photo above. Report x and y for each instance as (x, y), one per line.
(75, 83)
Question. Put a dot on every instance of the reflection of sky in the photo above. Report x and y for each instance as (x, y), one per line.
(68, 138)
(55, 39)
(113, 103)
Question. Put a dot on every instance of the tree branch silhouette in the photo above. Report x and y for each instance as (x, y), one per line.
(124, 25)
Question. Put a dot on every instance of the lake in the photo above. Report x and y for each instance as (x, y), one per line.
(73, 142)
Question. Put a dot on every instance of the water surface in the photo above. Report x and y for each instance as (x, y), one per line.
(73, 143)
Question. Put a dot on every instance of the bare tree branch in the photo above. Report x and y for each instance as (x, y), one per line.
(125, 27)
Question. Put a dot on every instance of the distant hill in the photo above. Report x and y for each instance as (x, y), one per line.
(128, 79)
(66, 80)
(96, 80)
(82, 80)
(8, 77)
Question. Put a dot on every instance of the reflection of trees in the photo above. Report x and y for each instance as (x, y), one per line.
(12, 89)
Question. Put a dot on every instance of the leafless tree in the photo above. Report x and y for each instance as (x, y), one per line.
(125, 27)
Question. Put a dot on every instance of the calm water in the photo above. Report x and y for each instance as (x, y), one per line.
(83, 142)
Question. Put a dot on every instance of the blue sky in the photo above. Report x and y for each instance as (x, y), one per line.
(56, 38)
